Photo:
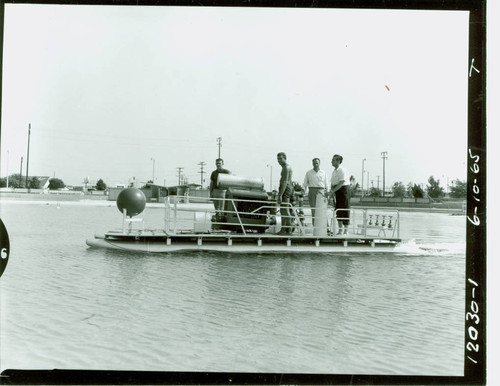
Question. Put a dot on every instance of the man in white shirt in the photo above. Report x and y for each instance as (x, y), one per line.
(340, 191)
(316, 182)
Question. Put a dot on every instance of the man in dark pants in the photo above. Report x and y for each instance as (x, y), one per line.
(284, 194)
(341, 193)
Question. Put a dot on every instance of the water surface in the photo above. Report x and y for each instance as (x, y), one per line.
(64, 305)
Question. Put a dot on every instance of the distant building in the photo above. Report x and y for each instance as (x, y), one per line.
(181, 190)
(44, 182)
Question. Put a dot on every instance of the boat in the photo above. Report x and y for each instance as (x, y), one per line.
(248, 220)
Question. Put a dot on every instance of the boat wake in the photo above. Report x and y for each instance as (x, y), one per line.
(425, 248)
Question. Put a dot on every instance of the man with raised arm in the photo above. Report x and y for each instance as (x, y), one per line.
(284, 194)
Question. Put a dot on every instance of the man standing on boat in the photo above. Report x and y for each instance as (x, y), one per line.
(284, 194)
(215, 192)
(317, 182)
(341, 193)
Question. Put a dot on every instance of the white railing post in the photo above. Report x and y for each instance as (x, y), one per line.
(365, 222)
(124, 220)
(167, 214)
(175, 215)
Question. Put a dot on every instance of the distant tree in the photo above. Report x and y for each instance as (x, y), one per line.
(100, 185)
(33, 183)
(409, 190)
(433, 189)
(415, 190)
(398, 189)
(458, 189)
(15, 181)
(3, 182)
(374, 192)
(56, 183)
(355, 188)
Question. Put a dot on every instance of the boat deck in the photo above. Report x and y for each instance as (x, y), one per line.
(252, 230)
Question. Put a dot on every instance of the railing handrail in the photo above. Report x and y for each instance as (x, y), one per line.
(271, 208)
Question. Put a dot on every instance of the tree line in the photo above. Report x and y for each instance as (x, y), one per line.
(433, 189)
(17, 181)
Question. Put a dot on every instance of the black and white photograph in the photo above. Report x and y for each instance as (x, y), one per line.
(286, 194)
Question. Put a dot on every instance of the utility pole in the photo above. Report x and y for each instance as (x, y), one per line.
(378, 182)
(28, 156)
(179, 170)
(21, 173)
(363, 177)
(219, 143)
(384, 157)
(201, 171)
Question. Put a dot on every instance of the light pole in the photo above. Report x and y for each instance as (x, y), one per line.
(152, 159)
(28, 157)
(363, 177)
(7, 168)
(270, 178)
(219, 143)
(21, 173)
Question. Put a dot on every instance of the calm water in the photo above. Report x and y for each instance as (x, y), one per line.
(64, 305)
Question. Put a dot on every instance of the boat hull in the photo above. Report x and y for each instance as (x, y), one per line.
(270, 244)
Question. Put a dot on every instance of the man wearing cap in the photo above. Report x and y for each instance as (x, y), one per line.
(341, 193)
(316, 182)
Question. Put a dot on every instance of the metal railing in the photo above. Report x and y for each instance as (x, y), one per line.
(368, 221)
(261, 216)
(258, 216)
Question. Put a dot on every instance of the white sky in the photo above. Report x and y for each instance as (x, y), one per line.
(108, 88)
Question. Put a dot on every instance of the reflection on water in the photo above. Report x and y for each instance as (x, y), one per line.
(67, 306)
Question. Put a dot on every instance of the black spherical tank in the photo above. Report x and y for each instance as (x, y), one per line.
(131, 199)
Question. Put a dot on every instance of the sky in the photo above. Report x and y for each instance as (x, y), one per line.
(118, 92)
